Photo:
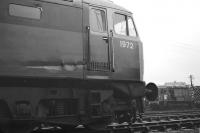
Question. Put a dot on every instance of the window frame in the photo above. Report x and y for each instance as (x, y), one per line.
(106, 18)
(114, 23)
(127, 25)
(136, 33)
(27, 6)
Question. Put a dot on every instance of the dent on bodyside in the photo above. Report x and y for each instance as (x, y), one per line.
(55, 66)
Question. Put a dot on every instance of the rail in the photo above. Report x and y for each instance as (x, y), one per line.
(150, 122)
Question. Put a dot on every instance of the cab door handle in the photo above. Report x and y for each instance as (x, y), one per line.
(105, 38)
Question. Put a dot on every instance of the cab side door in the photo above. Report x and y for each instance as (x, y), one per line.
(98, 40)
(126, 47)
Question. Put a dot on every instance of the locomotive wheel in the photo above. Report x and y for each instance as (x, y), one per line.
(151, 91)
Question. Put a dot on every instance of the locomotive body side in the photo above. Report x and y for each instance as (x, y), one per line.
(68, 63)
(43, 42)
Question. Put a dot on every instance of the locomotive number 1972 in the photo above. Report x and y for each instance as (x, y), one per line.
(126, 44)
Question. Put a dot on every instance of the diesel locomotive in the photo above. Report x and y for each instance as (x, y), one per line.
(69, 63)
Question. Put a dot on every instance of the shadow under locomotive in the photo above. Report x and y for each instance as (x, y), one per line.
(68, 102)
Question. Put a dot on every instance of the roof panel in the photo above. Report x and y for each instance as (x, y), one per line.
(106, 3)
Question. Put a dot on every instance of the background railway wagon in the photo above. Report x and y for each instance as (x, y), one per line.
(173, 97)
(174, 93)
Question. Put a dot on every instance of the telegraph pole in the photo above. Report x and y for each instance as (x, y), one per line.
(191, 80)
(191, 77)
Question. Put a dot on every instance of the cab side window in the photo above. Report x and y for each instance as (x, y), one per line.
(120, 24)
(98, 20)
(24, 11)
(131, 27)
(124, 25)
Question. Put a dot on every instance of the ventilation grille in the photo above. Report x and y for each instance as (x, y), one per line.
(98, 66)
(66, 107)
(59, 107)
(95, 103)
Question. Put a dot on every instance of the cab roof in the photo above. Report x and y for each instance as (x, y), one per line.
(103, 3)
(106, 3)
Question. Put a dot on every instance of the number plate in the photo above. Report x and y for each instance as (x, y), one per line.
(127, 44)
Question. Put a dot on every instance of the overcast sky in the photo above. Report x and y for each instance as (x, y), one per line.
(170, 32)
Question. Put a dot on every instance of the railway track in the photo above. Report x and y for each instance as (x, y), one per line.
(170, 115)
(171, 112)
(163, 122)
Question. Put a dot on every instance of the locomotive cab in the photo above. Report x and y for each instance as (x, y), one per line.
(113, 57)
(69, 62)
(114, 46)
